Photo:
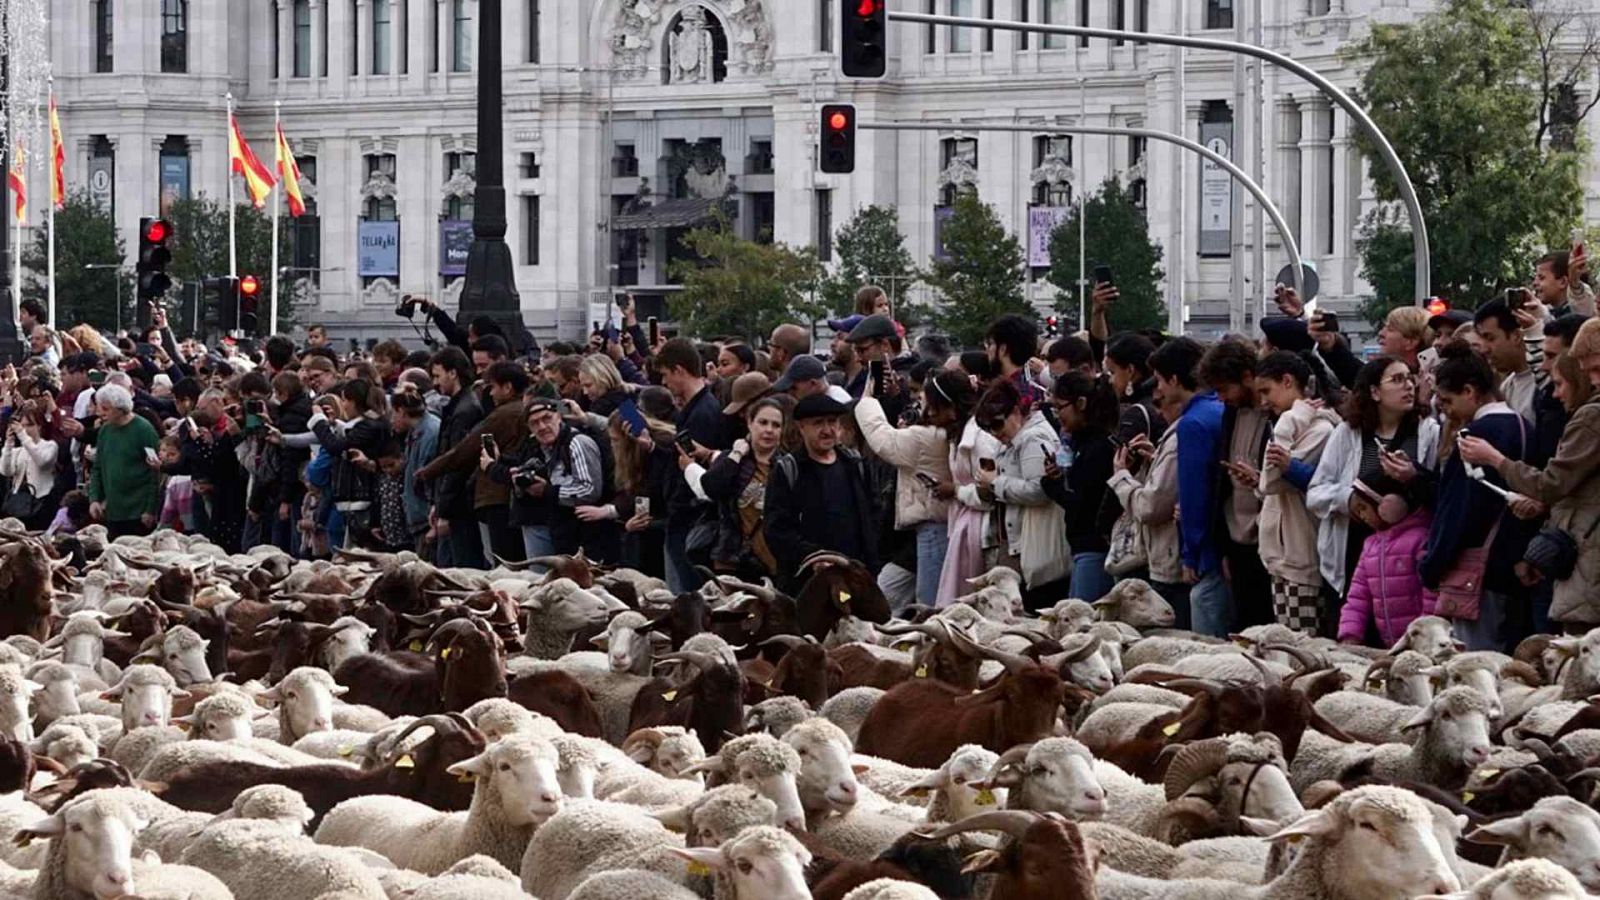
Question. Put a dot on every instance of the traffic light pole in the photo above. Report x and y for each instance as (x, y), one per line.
(1408, 195)
(1296, 266)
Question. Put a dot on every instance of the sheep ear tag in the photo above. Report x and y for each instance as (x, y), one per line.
(405, 762)
(985, 798)
(1487, 774)
(922, 671)
(1172, 729)
(445, 653)
(699, 868)
(346, 750)
(1467, 796)
(416, 647)
(843, 599)
(670, 696)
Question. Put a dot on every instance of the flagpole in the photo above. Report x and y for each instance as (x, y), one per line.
(50, 209)
(277, 200)
(233, 244)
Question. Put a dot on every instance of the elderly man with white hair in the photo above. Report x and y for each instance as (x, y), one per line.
(123, 485)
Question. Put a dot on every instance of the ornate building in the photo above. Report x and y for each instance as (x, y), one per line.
(629, 121)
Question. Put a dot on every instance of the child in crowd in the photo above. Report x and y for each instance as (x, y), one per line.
(392, 533)
(1386, 592)
(313, 537)
(72, 516)
(177, 509)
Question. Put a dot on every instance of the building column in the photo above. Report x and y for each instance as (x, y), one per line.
(416, 163)
(1286, 162)
(285, 14)
(339, 30)
(1346, 161)
(318, 64)
(441, 36)
(417, 29)
(1315, 168)
(363, 37)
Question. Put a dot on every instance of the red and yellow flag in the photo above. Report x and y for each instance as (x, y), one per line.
(18, 179)
(58, 160)
(258, 179)
(289, 174)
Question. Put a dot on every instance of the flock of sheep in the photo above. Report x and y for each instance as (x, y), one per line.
(176, 723)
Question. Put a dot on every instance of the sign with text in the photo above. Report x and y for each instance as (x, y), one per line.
(1216, 191)
(378, 249)
(455, 240)
(1042, 223)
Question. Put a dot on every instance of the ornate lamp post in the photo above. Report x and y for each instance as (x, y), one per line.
(491, 286)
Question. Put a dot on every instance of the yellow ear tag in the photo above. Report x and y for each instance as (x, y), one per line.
(182, 726)
(416, 646)
(346, 750)
(844, 598)
(405, 762)
(699, 868)
(985, 798)
(1172, 729)
(922, 671)
(445, 653)
(1488, 773)
(669, 696)
(904, 646)
(1467, 796)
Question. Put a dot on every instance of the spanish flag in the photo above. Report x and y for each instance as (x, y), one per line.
(258, 179)
(19, 183)
(58, 160)
(289, 174)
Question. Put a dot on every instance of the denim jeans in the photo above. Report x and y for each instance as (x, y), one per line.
(1211, 605)
(1488, 631)
(899, 586)
(933, 538)
(681, 576)
(464, 545)
(537, 542)
(1089, 579)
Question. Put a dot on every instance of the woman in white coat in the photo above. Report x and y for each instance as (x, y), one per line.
(1030, 527)
(29, 461)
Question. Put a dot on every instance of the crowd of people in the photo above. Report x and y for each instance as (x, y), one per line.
(1285, 477)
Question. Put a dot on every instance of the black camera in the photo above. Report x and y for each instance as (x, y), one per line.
(408, 306)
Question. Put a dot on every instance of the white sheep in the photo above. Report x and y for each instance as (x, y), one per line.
(776, 715)
(1404, 677)
(271, 803)
(555, 611)
(1136, 854)
(182, 653)
(475, 878)
(1141, 693)
(58, 694)
(1431, 636)
(1114, 723)
(669, 750)
(765, 765)
(90, 854)
(1559, 829)
(258, 860)
(1527, 879)
(630, 884)
(955, 788)
(350, 637)
(498, 717)
(68, 745)
(1162, 650)
(891, 889)
(1136, 603)
(517, 788)
(827, 782)
(588, 838)
(761, 863)
(1452, 739)
(305, 702)
(848, 709)
(718, 814)
(16, 692)
(1068, 616)
(1367, 717)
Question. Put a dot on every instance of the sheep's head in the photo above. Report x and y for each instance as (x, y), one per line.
(629, 643)
(66, 744)
(760, 862)
(1007, 581)
(1135, 602)
(827, 780)
(183, 653)
(992, 603)
(1581, 667)
(145, 693)
(1386, 840)
(498, 717)
(1457, 719)
(1478, 671)
(58, 695)
(1083, 663)
(347, 637)
(719, 814)
(1525, 879)
(1053, 775)
(1430, 636)
(272, 802)
(667, 750)
(765, 765)
(1238, 776)
(306, 696)
(776, 715)
(82, 636)
(1404, 677)
(522, 771)
(565, 607)
(577, 768)
(221, 717)
(1068, 616)
(963, 781)
(98, 832)
(1560, 829)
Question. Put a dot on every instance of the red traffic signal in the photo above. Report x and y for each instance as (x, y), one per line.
(156, 231)
(1438, 306)
(868, 8)
(862, 43)
(248, 285)
(838, 138)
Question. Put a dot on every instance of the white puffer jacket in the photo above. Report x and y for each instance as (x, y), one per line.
(918, 448)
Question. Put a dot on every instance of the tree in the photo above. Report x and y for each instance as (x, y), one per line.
(871, 250)
(1117, 236)
(1470, 109)
(740, 287)
(86, 235)
(980, 277)
(200, 240)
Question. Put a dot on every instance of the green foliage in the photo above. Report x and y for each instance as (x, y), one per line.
(871, 250)
(980, 278)
(1456, 94)
(86, 234)
(200, 240)
(740, 287)
(1118, 236)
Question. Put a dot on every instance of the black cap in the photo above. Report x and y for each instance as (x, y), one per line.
(873, 328)
(801, 368)
(80, 362)
(1454, 317)
(818, 406)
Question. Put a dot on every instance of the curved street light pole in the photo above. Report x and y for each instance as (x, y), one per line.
(1408, 195)
(1296, 266)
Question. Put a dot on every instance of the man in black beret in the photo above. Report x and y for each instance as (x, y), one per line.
(820, 499)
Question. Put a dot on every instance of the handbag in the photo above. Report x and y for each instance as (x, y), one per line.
(1127, 553)
(1461, 588)
(21, 503)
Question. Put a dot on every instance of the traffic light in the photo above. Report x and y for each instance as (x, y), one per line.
(249, 297)
(227, 307)
(151, 268)
(862, 25)
(839, 138)
(1438, 306)
(1052, 326)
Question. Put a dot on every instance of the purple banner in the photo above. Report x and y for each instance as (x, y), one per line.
(1042, 223)
(455, 239)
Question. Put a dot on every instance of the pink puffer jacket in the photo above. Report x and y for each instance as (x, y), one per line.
(1386, 587)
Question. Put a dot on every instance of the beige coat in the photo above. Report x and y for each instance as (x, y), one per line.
(1570, 486)
(918, 448)
(1153, 502)
(1288, 530)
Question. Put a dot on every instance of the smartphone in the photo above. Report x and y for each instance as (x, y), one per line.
(151, 455)
(641, 506)
(685, 442)
(489, 446)
(878, 375)
(1102, 275)
(1578, 238)
(986, 464)
(97, 377)
(628, 412)
(655, 330)
(256, 407)
(1517, 298)
(596, 329)
(1327, 321)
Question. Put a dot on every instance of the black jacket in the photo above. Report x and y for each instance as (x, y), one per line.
(351, 483)
(725, 482)
(1081, 492)
(796, 511)
(701, 419)
(453, 495)
(292, 418)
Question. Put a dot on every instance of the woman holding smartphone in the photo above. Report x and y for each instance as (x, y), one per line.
(354, 446)
(736, 481)
(1076, 477)
(1031, 533)
(29, 461)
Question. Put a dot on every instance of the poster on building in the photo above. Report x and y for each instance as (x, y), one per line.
(455, 240)
(941, 217)
(174, 181)
(1216, 191)
(1042, 223)
(102, 190)
(378, 250)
